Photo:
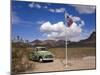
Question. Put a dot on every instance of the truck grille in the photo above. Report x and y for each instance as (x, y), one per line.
(49, 56)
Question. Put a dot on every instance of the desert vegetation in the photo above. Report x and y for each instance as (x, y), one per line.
(20, 61)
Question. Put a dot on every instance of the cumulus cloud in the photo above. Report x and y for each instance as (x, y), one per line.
(57, 10)
(85, 9)
(59, 31)
(48, 27)
(78, 19)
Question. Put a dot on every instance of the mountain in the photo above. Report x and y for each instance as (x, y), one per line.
(89, 42)
(36, 42)
(60, 43)
(50, 43)
(91, 39)
(47, 43)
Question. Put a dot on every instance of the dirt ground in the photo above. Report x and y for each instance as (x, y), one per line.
(60, 65)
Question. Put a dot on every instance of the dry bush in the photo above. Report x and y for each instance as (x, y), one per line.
(20, 61)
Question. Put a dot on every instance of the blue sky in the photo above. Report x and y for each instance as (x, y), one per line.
(29, 18)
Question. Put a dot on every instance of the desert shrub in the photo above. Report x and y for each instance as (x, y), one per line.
(20, 61)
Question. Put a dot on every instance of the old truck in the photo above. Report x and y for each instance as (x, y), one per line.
(42, 54)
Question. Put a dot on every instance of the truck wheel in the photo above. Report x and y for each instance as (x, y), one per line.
(40, 59)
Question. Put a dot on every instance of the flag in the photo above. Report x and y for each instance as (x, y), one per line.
(69, 20)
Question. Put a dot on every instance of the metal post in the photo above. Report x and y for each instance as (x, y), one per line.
(65, 39)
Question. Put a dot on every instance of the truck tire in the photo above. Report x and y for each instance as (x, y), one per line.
(40, 59)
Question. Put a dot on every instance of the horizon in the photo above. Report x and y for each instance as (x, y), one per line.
(24, 40)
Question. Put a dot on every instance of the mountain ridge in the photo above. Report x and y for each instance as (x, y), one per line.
(89, 42)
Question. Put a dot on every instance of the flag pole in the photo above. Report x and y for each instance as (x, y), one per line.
(65, 40)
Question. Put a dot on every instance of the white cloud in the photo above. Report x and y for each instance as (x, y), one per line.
(57, 31)
(78, 19)
(31, 5)
(85, 9)
(52, 10)
(82, 23)
(48, 27)
(75, 18)
(58, 10)
(37, 5)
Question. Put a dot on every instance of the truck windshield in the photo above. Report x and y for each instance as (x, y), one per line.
(43, 49)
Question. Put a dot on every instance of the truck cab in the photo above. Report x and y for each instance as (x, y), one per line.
(42, 54)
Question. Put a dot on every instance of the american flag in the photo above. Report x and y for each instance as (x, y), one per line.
(69, 20)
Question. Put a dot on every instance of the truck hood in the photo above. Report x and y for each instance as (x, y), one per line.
(45, 53)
